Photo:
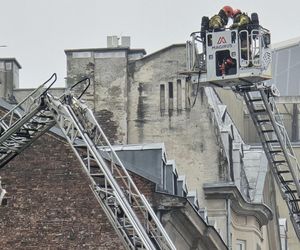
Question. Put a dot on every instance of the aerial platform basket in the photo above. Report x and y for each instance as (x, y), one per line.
(230, 57)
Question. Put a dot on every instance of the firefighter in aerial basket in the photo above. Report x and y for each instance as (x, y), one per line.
(218, 22)
(241, 21)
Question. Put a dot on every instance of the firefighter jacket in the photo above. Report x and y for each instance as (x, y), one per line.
(241, 21)
(218, 21)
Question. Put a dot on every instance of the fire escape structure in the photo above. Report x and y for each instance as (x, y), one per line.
(127, 209)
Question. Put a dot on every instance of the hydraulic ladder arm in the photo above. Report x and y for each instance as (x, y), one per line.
(127, 209)
(23, 124)
(277, 146)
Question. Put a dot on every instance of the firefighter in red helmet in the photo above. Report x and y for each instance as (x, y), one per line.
(219, 21)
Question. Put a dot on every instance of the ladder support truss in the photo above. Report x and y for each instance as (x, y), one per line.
(126, 208)
(277, 146)
(115, 190)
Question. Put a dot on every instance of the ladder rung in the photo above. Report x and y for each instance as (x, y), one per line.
(275, 151)
(121, 177)
(23, 134)
(267, 131)
(259, 111)
(255, 100)
(295, 200)
(271, 141)
(291, 191)
(279, 161)
(283, 171)
(263, 120)
(80, 146)
(32, 129)
(45, 116)
(38, 123)
(97, 174)
(288, 181)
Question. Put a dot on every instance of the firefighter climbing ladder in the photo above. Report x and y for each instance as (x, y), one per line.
(127, 209)
(277, 146)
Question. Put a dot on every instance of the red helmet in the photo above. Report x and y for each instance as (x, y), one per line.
(228, 10)
(236, 12)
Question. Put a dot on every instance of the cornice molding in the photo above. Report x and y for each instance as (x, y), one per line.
(238, 203)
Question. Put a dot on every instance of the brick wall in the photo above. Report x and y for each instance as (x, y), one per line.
(50, 203)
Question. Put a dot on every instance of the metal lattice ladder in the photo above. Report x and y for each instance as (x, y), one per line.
(277, 146)
(24, 123)
(127, 209)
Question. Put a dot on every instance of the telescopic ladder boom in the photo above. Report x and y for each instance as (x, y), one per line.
(225, 62)
(127, 209)
(24, 123)
(277, 146)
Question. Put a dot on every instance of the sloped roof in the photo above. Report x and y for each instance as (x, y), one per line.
(163, 50)
(287, 43)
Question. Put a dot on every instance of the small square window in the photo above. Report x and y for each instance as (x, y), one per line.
(8, 66)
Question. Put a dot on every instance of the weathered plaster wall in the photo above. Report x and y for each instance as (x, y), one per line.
(187, 132)
(107, 94)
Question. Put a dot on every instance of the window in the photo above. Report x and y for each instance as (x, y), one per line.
(171, 95)
(81, 54)
(179, 95)
(8, 66)
(162, 97)
(164, 178)
(187, 95)
(240, 245)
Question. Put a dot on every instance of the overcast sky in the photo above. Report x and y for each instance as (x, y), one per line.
(36, 32)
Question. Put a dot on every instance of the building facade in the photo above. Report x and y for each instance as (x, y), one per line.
(285, 67)
(151, 101)
(145, 99)
(9, 78)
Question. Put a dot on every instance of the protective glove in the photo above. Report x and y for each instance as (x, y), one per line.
(234, 26)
